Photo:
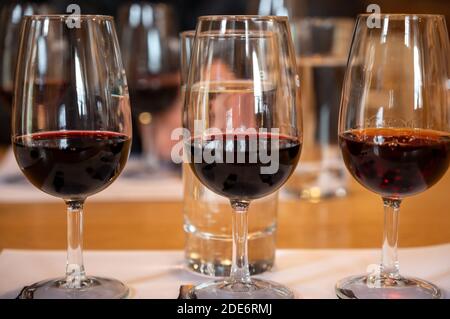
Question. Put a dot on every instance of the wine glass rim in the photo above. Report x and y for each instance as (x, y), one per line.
(242, 17)
(401, 15)
(65, 16)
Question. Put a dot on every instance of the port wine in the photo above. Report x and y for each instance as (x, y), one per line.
(396, 162)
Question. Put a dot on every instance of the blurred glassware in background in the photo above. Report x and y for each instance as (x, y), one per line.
(149, 43)
(10, 18)
(207, 226)
(322, 46)
(289, 8)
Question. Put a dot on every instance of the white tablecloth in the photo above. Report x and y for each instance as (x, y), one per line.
(310, 273)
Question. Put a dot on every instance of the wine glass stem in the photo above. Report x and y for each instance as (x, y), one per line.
(75, 274)
(389, 260)
(240, 272)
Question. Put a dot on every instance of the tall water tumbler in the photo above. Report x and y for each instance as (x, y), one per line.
(207, 226)
(322, 46)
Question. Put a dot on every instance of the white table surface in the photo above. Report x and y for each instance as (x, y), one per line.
(310, 273)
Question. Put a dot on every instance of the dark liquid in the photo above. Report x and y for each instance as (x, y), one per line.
(72, 164)
(6, 98)
(154, 94)
(244, 179)
(396, 162)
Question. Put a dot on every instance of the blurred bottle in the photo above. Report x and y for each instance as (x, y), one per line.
(208, 243)
(150, 52)
(322, 46)
(11, 13)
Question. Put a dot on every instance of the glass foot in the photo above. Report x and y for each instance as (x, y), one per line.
(366, 287)
(255, 289)
(91, 288)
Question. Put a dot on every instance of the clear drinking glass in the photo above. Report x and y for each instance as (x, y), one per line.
(149, 45)
(243, 136)
(206, 215)
(71, 129)
(322, 46)
(394, 130)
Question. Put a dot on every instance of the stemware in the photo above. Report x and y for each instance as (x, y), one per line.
(71, 129)
(150, 50)
(207, 227)
(243, 136)
(394, 130)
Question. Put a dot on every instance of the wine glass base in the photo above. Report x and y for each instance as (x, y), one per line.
(255, 289)
(364, 287)
(91, 288)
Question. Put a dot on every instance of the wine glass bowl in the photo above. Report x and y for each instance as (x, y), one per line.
(394, 130)
(243, 136)
(243, 179)
(396, 162)
(72, 164)
(71, 128)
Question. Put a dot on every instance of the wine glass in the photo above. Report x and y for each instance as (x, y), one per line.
(206, 214)
(242, 132)
(71, 128)
(394, 130)
(150, 53)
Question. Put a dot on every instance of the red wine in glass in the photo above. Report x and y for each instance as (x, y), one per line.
(72, 164)
(71, 130)
(154, 94)
(234, 178)
(396, 162)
